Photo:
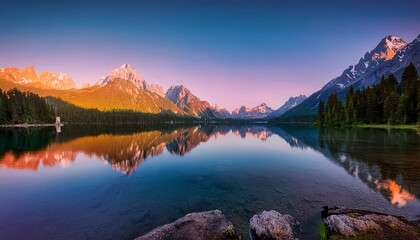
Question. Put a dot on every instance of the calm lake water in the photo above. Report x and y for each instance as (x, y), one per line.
(106, 182)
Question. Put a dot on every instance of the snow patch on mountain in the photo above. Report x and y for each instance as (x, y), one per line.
(126, 72)
(384, 51)
(260, 111)
(289, 104)
(57, 80)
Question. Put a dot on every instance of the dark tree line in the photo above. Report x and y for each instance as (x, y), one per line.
(385, 102)
(24, 107)
(72, 114)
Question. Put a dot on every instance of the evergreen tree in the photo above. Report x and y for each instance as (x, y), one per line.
(20, 107)
(403, 108)
(321, 113)
(390, 104)
(334, 110)
(418, 99)
(371, 110)
(2, 108)
(26, 107)
(349, 106)
(361, 108)
(409, 87)
(385, 102)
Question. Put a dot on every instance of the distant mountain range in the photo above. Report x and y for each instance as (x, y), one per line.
(45, 79)
(291, 103)
(260, 111)
(391, 55)
(190, 104)
(124, 88)
(126, 72)
(114, 93)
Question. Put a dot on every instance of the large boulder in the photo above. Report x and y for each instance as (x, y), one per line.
(273, 225)
(195, 226)
(346, 222)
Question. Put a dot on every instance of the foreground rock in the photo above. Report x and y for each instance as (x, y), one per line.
(343, 223)
(195, 226)
(273, 225)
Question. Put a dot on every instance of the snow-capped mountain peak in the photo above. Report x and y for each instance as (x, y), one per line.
(126, 72)
(263, 108)
(387, 48)
(28, 75)
(57, 80)
(291, 103)
(384, 51)
(260, 111)
(391, 55)
(180, 93)
(395, 43)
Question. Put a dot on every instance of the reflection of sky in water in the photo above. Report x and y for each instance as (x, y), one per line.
(78, 189)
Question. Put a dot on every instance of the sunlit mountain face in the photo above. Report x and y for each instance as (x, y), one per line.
(369, 155)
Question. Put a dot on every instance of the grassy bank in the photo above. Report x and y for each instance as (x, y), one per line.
(389, 126)
(379, 126)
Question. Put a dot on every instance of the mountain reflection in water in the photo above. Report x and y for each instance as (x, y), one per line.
(123, 152)
(385, 161)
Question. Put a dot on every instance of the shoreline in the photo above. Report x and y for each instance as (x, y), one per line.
(27, 125)
(388, 126)
(377, 126)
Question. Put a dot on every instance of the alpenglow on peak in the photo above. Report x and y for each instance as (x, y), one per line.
(126, 72)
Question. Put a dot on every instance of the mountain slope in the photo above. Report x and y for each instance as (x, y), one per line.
(19, 76)
(292, 102)
(57, 80)
(189, 103)
(222, 112)
(157, 89)
(44, 80)
(260, 111)
(390, 55)
(126, 72)
(119, 94)
(410, 53)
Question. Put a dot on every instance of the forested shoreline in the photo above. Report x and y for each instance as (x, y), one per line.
(71, 113)
(18, 107)
(387, 102)
(24, 107)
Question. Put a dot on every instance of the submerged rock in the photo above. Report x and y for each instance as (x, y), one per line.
(343, 223)
(273, 225)
(195, 226)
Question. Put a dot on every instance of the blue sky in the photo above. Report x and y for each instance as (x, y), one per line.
(229, 53)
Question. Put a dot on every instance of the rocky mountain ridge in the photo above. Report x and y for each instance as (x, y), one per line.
(391, 55)
(260, 111)
(29, 76)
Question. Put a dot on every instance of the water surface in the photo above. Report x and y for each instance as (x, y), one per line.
(109, 182)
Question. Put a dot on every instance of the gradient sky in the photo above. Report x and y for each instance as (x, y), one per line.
(230, 53)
